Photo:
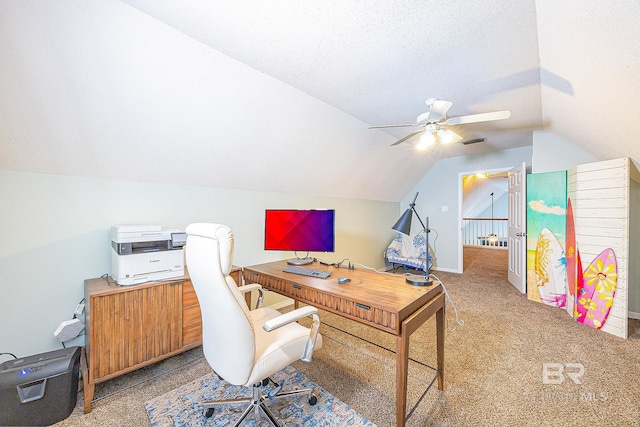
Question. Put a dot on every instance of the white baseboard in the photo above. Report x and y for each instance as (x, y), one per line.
(448, 270)
(633, 315)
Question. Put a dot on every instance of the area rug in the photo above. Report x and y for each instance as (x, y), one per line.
(181, 407)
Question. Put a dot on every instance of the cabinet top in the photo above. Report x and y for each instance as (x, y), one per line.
(106, 285)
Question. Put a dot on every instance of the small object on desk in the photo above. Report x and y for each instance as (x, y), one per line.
(307, 272)
(343, 280)
(416, 280)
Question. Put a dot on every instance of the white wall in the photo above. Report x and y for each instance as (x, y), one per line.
(100, 89)
(552, 153)
(56, 234)
(439, 188)
(500, 207)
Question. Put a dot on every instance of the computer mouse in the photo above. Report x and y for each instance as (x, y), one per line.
(343, 280)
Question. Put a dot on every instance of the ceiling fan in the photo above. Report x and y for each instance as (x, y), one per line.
(434, 124)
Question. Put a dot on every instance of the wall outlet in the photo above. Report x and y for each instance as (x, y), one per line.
(79, 309)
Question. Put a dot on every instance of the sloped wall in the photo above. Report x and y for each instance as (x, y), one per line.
(56, 231)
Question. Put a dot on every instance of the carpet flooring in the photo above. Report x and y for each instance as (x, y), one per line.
(494, 365)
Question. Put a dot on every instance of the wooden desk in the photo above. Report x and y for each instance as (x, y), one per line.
(383, 301)
(128, 327)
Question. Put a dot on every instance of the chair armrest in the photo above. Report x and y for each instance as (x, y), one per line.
(253, 287)
(290, 317)
(294, 316)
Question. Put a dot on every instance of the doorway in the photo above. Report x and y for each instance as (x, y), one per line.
(483, 214)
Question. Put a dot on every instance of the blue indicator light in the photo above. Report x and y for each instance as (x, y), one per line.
(23, 372)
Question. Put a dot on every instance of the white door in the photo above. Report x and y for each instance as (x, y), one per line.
(517, 245)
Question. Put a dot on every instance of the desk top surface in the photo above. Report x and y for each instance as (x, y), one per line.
(385, 291)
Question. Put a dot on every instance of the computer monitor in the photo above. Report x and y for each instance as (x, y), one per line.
(299, 230)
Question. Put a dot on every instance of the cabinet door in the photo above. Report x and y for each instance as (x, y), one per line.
(191, 316)
(134, 327)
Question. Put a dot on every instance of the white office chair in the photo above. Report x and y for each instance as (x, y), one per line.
(243, 347)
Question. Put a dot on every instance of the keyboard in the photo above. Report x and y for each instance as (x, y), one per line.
(303, 271)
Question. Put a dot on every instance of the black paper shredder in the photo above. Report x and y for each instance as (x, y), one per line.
(39, 390)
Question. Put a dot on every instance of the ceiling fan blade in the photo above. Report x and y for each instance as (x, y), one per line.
(411, 135)
(482, 117)
(391, 126)
(439, 110)
(472, 141)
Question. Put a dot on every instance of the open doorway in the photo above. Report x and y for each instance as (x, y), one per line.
(484, 217)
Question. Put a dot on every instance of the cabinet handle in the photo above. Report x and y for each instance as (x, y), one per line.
(297, 286)
(366, 307)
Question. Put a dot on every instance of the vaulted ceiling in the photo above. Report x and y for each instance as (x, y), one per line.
(278, 96)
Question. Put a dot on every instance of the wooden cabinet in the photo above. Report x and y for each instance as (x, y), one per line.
(191, 317)
(128, 327)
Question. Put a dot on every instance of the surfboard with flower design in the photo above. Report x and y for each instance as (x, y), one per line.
(550, 270)
(596, 290)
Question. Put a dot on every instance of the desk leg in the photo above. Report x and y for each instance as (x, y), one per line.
(402, 366)
(440, 333)
(407, 327)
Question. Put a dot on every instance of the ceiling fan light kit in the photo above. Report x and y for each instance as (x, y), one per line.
(448, 136)
(433, 121)
(426, 140)
(432, 135)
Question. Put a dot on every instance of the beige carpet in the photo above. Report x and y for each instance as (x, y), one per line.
(494, 365)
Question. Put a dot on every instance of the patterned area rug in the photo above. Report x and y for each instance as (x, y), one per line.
(181, 406)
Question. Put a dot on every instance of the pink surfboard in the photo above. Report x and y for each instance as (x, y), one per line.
(595, 297)
(570, 252)
(579, 281)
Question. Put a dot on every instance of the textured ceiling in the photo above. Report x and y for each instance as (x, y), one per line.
(380, 60)
(278, 96)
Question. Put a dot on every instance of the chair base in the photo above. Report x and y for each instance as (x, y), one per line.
(256, 404)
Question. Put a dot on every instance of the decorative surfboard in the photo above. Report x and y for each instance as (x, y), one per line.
(579, 282)
(550, 269)
(570, 252)
(597, 290)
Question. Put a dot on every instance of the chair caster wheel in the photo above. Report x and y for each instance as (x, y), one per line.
(208, 412)
(313, 400)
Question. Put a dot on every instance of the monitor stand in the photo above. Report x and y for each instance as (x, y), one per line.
(300, 261)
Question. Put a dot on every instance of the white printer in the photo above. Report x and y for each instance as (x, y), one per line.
(142, 253)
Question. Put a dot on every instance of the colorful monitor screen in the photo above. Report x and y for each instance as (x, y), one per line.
(299, 230)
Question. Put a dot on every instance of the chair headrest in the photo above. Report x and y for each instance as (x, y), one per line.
(222, 234)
